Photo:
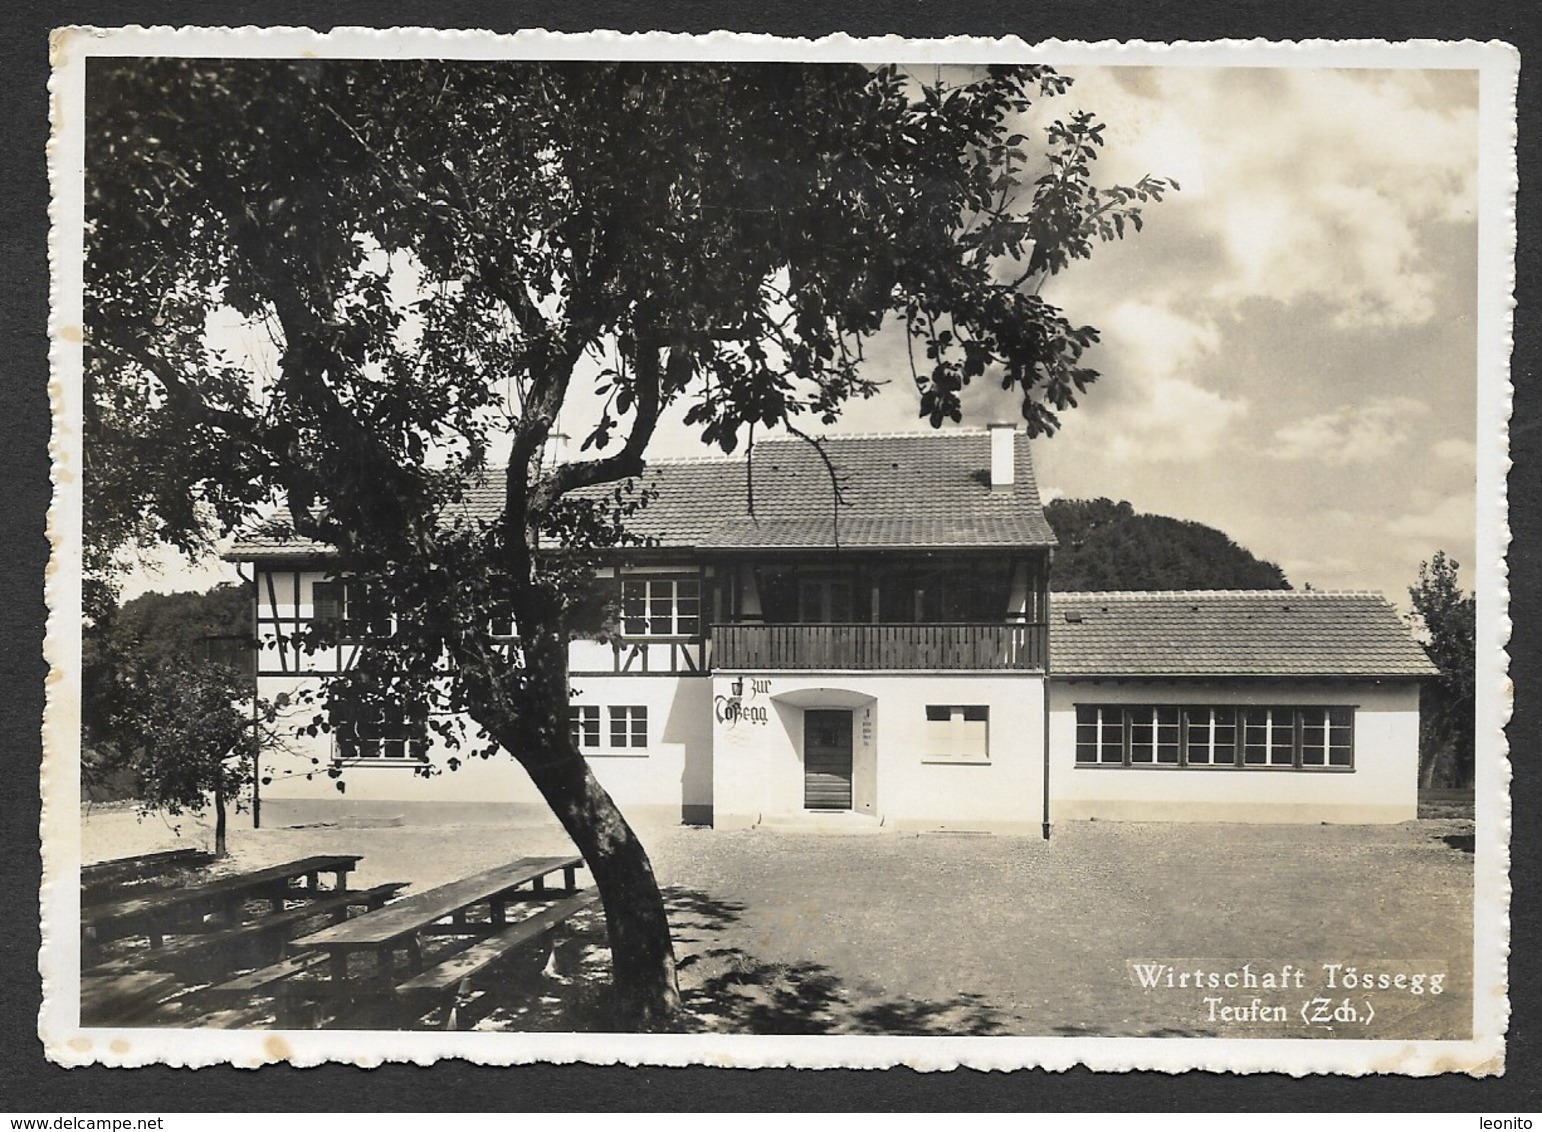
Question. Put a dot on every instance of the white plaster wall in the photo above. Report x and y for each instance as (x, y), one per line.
(673, 772)
(759, 761)
(1383, 787)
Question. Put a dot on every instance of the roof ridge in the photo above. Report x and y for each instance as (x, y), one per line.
(906, 434)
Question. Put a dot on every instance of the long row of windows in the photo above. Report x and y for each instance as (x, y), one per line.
(1165, 735)
(672, 607)
(650, 607)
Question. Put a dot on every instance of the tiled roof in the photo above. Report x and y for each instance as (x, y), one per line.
(912, 490)
(1230, 633)
(928, 490)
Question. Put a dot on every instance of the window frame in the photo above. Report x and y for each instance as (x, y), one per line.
(958, 740)
(351, 750)
(639, 627)
(633, 728)
(360, 616)
(584, 722)
(1336, 724)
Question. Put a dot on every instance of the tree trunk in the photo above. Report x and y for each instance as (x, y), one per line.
(647, 996)
(219, 821)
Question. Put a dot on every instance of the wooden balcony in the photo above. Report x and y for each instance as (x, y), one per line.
(882, 647)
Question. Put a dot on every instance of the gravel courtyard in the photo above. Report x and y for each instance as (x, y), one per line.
(787, 932)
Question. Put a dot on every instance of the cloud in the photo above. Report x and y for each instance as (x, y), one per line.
(1314, 184)
(1179, 421)
(1157, 409)
(1352, 434)
(1447, 523)
(1462, 453)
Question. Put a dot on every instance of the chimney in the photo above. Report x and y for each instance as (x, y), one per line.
(1003, 454)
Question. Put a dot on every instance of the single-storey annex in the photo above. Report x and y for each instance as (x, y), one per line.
(895, 657)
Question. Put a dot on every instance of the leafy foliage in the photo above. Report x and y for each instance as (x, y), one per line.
(1109, 546)
(186, 736)
(122, 647)
(1447, 617)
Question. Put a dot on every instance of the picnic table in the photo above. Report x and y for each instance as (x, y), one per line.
(474, 945)
(144, 865)
(156, 913)
(123, 876)
(400, 924)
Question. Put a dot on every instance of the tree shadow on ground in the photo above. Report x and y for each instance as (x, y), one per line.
(1461, 842)
(726, 989)
(563, 984)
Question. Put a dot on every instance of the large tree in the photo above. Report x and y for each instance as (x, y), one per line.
(447, 254)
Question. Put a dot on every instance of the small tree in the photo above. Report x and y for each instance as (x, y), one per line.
(186, 739)
(1447, 618)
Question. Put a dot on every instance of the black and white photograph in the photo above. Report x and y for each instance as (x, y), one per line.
(756, 552)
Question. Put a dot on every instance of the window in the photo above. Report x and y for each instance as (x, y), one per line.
(661, 607)
(382, 734)
(628, 727)
(584, 726)
(358, 613)
(1099, 734)
(958, 733)
(1327, 736)
(1263, 738)
(1211, 736)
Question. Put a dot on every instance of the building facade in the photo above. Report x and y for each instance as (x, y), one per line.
(870, 639)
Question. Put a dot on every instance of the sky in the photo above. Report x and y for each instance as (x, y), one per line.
(1289, 347)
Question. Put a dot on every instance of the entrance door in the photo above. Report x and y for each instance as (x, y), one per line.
(827, 760)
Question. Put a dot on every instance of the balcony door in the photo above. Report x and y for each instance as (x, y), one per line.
(824, 600)
(826, 760)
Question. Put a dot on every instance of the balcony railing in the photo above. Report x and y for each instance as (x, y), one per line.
(883, 647)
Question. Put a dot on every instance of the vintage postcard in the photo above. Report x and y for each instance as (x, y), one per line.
(663, 550)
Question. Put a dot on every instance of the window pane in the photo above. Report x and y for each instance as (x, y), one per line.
(1255, 736)
(1142, 734)
(970, 738)
(640, 727)
(1112, 743)
(1282, 737)
(1086, 733)
(1167, 735)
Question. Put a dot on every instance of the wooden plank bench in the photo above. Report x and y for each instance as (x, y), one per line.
(452, 976)
(146, 864)
(399, 925)
(155, 913)
(116, 879)
(198, 944)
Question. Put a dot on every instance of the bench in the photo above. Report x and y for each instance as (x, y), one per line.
(155, 913)
(200, 944)
(399, 926)
(146, 864)
(106, 880)
(452, 976)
